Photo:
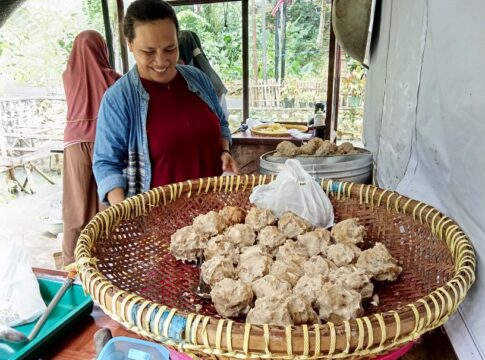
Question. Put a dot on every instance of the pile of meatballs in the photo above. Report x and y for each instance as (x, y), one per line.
(283, 271)
(314, 147)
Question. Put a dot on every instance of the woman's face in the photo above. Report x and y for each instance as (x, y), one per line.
(155, 48)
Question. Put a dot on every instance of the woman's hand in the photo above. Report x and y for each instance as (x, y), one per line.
(116, 196)
(228, 163)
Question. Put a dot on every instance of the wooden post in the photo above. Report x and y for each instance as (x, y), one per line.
(254, 32)
(107, 31)
(333, 85)
(263, 40)
(283, 41)
(336, 92)
(124, 51)
(245, 59)
(277, 47)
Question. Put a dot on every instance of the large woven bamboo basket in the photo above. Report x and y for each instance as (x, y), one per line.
(124, 263)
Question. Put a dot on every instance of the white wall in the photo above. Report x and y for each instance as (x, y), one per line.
(424, 120)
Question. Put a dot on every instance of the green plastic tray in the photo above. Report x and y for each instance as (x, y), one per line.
(73, 306)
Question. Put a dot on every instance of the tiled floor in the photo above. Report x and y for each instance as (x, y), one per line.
(22, 216)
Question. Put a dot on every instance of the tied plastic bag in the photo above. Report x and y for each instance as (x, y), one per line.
(20, 298)
(296, 191)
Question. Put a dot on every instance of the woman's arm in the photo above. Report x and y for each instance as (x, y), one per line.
(228, 163)
(116, 196)
(110, 149)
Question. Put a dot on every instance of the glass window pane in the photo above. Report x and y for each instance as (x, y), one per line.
(219, 29)
(35, 43)
(351, 100)
(288, 58)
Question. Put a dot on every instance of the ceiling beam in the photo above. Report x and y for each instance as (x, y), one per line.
(196, 2)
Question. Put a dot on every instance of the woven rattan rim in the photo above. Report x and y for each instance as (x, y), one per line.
(199, 334)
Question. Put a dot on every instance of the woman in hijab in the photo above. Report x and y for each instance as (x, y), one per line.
(87, 76)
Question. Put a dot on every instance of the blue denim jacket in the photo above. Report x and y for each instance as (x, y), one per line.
(121, 157)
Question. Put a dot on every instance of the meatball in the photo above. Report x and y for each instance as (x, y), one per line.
(220, 245)
(270, 238)
(241, 235)
(231, 297)
(348, 231)
(343, 253)
(380, 263)
(268, 285)
(287, 148)
(293, 225)
(337, 303)
(216, 269)
(315, 242)
(259, 218)
(232, 215)
(309, 286)
(209, 224)
(272, 310)
(289, 272)
(253, 266)
(345, 148)
(187, 244)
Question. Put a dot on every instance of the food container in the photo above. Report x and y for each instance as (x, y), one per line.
(73, 307)
(353, 167)
(122, 347)
(124, 263)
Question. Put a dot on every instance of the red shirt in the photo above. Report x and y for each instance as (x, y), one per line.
(184, 135)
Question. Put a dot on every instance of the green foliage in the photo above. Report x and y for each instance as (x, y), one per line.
(191, 20)
(304, 58)
(36, 40)
(222, 44)
(353, 83)
(350, 123)
(94, 11)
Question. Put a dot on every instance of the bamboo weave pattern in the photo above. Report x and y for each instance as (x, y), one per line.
(124, 264)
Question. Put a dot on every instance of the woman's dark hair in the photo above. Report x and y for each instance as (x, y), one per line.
(147, 11)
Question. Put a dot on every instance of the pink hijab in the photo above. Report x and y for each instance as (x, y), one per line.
(87, 76)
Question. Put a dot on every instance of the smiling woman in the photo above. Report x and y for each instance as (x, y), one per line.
(162, 122)
(156, 50)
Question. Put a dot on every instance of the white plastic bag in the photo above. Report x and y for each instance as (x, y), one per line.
(297, 134)
(296, 191)
(20, 298)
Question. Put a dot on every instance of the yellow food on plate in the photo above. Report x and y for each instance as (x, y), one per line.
(276, 129)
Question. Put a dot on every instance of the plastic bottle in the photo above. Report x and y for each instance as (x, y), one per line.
(319, 119)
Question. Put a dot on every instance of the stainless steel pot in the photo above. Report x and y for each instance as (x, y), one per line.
(354, 168)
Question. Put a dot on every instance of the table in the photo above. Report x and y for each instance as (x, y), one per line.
(247, 149)
(28, 162)
(78, 341)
